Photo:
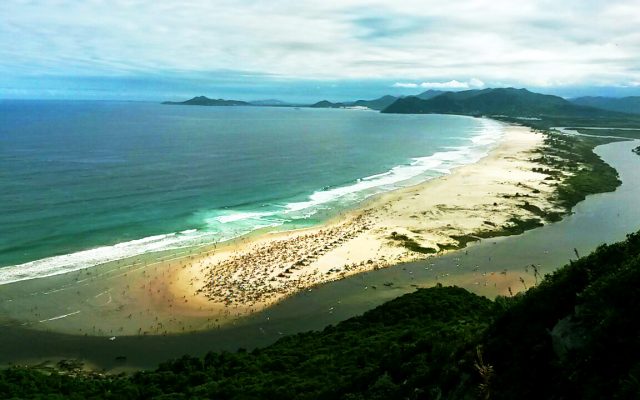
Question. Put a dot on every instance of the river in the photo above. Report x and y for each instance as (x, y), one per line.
(601, 218)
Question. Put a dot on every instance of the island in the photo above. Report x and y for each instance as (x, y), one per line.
(205, 101)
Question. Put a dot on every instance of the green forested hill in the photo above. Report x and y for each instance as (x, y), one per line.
(499, 101)
(630, 104)
(375, 104)
(574, 336)
(205, 101)
(431, 93)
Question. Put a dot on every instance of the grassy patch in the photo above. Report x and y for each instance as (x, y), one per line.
(572, 168)
(411, 244)
(449, 246)
(594, 176)
(463, 240)
(586, 172)
(550, 216)
(533, 209)
(516, 226)
(548, 121)
(633, 134)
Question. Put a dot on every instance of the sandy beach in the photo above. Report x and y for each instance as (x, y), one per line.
(478, 197)
(207, 288)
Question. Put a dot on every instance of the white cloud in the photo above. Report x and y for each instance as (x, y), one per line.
(452, 84)
(405, 85)
(445, 85)
(418, 40)
(475, 83)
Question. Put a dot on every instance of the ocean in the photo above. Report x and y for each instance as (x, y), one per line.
(86, 182)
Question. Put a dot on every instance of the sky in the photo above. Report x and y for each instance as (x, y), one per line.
(309, 50)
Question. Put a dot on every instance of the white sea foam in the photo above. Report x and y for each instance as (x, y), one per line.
(88, 258)
(441, 162)
(240, 216)
(60, 316)
(228, 224)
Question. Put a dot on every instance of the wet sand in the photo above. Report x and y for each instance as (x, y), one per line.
(600, 218)
(479, 197)
(209, 287)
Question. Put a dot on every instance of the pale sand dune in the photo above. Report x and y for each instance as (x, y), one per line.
(250, 276)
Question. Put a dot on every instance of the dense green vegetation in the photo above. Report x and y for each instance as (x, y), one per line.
(575, 171)
(508, 102)
(628, 133)
(629, 104)
(429, 94)
(411, 244)
(600, 119)
(587, 172)
(574, 336)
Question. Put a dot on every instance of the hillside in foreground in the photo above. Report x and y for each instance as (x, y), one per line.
(575, 335)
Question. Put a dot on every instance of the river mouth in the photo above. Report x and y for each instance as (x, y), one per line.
(601, 218)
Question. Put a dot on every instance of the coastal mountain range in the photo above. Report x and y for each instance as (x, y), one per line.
(508, 102)
(499, 101)
(629, 104)
(376, 104)
(429, 94)
(572, 335)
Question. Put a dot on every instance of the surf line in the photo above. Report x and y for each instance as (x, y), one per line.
(60, 316)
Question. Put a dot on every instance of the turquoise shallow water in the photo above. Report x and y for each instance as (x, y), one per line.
(89, 182)
(601, 218)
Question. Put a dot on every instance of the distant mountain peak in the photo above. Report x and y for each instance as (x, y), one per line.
(490, 101)
(630, 104)
(205, 101)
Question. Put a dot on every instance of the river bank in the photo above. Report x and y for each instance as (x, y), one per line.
(600, 218)
(206, 288)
